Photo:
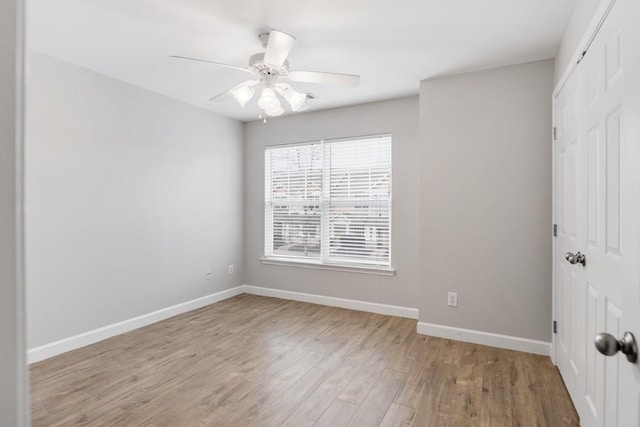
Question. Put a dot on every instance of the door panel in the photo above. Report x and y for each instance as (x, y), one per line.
(594, 165)
(612, 178)
(594, 365)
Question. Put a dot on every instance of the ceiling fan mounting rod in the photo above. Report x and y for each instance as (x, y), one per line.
(264, 39)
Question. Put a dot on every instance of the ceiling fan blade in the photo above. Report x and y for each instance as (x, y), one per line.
(221, 96)
(233, 67)
(228, 91)
(324, 78)
(278, 48)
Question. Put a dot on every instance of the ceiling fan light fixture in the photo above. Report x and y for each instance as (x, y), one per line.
(297, 100)
(268, 100)
(273, 112)
(243, 94)
(268, 95)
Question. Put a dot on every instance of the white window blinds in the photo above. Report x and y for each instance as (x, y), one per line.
(329, 201)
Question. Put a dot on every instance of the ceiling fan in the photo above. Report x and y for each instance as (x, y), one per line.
(271, 72)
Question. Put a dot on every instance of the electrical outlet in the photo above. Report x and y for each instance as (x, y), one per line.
(230, 268)
(452, 299)
(208, 274)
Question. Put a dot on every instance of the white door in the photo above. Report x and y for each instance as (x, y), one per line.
(570, 235)
(597, 187)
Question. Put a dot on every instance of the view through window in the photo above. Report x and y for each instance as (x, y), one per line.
(329, 202)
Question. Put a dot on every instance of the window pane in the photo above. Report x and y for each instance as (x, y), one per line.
(296, 173)
(296, 230)
(360, 169)
(359, 232)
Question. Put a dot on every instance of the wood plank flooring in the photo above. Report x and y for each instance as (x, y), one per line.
(257, 361)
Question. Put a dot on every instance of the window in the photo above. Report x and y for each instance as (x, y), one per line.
(329, 202)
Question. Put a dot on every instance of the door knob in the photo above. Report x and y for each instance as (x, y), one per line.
(576, 258)
(608, 345)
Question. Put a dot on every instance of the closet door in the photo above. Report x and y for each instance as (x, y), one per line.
(597, 261)
(569, 214)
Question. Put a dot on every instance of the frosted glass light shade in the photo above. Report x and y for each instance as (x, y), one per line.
(268, 99)
(296, 100)
(268, 94)
(277, 111)
(243, 94)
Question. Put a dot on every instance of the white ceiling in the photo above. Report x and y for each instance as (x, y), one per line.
(392, 44)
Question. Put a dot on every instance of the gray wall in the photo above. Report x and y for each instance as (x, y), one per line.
(400, 117)
(485, 229)
(13, 396)
(130, 196)
(582, 16)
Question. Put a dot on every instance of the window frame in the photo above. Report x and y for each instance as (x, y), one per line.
(322, 262)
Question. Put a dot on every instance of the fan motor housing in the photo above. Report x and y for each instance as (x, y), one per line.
(256, 63)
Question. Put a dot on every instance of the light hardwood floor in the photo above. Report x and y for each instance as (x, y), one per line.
(262, 361)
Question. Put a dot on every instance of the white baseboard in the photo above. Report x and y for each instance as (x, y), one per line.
(485, 338)
(371, 307)
(90, 337)
(477, 337)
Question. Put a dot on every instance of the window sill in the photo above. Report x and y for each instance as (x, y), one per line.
(350, 268)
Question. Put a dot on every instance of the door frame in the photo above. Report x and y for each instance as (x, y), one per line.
(592, 29)
(14, 386)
